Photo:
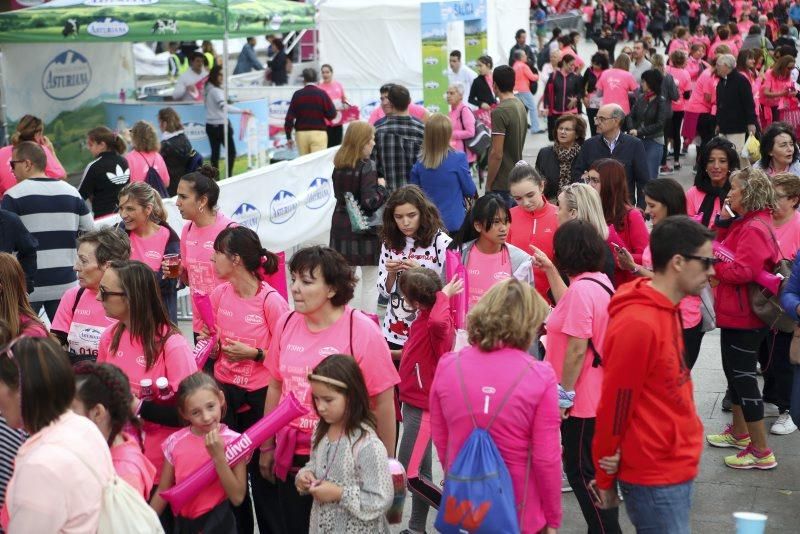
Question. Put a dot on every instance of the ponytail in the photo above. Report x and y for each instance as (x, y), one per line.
(269, 264)
(244, 242)
(112, 140)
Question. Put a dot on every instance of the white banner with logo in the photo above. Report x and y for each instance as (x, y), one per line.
(289, 204)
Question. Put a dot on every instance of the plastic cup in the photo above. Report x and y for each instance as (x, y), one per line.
(750, 522)
(173, 263)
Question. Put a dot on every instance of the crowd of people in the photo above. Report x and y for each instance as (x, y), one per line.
(540, 306)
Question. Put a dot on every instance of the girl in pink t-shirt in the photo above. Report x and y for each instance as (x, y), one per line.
(144, 219)
(484, 251)
(144, 344)
(201, 403)
(575, 332)
(145, 154)
(103, 394)
(198, 193)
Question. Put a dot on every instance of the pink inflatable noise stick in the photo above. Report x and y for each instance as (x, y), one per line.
(458, 303)
(236, 451)
(770, 282)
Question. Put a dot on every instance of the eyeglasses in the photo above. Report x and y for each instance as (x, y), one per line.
(104, 294)
(591, 179)
(601, 120)
(566, 130)
(706, 261)
(13, 162)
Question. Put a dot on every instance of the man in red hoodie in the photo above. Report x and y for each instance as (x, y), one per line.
(646, 416)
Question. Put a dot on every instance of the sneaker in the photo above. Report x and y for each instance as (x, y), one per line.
(665, 169)
(727, 439)
(783, 425)
(565, 487)
(747, 459)
(726, 401)
(770, 410)
(677, 166)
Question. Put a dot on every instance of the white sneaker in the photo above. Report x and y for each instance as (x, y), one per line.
(783, 425)
(565, 487)
(770, 410)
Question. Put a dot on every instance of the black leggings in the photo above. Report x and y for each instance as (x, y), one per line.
(777, 369)
(216, 135)
(672, 132)
(706, 128)
(692, 337)
(739, 357)
(576, 442)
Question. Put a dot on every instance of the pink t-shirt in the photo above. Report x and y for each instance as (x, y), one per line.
(187, 453)
(336, 92)
(484, 271)
(295, 351)
(788, 236)
(415, 110)
(175, 363)
(691, 314)
(615, 85)
(150, 250)
(694, 199)
(250, 321)
(731, 44)
(684, 83)
(54, 169)
(706, 85)
(582, 312)
(133, 467)
(197, 247)
(85, 326)
(138, 163)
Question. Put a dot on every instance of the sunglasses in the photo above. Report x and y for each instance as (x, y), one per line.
(104, 294)
(706, 261)
(13, 162)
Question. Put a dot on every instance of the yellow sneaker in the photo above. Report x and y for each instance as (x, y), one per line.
(727, 439)
(747, 459)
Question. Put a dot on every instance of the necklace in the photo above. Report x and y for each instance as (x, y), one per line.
(330, 460)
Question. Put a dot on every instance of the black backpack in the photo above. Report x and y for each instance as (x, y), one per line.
(194, 162)
(153, 179)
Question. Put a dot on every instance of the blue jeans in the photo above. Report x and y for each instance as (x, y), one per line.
(658, 509)
(794, 410)
(654, 153)
(530, 103)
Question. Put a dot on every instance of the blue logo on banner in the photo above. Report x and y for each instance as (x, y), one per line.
(248, 216)
(66, 76)
(319, 192)
(283, 207)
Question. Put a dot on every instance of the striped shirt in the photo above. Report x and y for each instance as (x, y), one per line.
(309, 108)
(10, 441)
(53, 211)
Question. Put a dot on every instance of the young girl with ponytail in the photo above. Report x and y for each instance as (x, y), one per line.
(107, 174)
(246, 312)
(103, 395)
(144, 219)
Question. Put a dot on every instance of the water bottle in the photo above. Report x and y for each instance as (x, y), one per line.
(165, 392)
(122, 95)
(146, 389)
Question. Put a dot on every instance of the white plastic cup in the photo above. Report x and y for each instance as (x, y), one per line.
(750, 522)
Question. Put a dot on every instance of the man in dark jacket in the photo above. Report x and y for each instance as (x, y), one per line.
(736, 112)
(610, 142)
(16, 239)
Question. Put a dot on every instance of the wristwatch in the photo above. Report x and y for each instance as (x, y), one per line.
(259, 355)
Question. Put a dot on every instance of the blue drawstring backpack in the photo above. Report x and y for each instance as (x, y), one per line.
(478, 496)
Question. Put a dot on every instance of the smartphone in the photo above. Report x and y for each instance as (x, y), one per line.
(592, 487)
(616, 247)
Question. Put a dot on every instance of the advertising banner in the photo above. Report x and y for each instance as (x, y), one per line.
(65, 85)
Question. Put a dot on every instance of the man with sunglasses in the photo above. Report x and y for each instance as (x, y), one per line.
(648, 435)
(54, 212)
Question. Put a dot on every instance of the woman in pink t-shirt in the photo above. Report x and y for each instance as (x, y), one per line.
(322, 324)
(145, 154)
(777, 89)
(246, 311)
(336, 92)
(715, 164)
(497, 380)
(197, 198)
(103, 394)
(699, 111)
(81, 319)
(15, 309)
(677, 69)
(144, 219)
(615, 83)
(575, 332)
(29, 128)
(145, 344)
(664, 198)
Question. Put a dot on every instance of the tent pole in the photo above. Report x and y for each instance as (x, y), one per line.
(225, 78)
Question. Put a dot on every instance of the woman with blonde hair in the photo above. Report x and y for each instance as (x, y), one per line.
(354, 172)
(443, 173)
(144, 219)
(523, 411)
(29, 128)
(144, 154)
(462, 120)
(15, 309)
(744, 227)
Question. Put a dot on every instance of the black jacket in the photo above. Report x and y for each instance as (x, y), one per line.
(648, 117)
(559, 89)
(481, 93)
(15, 238)
(629, 151)
(102, 181)
(608, 44)
(735, 107)
(176, 152)
(547, 165)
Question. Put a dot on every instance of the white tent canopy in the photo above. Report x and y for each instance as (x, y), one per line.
(371, 42)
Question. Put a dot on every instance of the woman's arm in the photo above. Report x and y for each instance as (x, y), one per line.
(167, 481)
(652, 128)
(371, 194)
(573, 361)
(233, 480)
(638, 237)
(386, 418)
(464, 127)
